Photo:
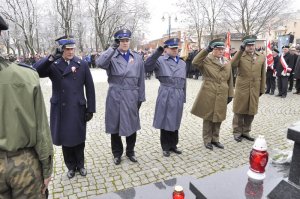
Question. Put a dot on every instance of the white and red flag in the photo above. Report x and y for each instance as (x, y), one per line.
(227, 46)
(270, 60)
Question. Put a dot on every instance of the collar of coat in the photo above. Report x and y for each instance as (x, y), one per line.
(117, 53)
(166, 56)
(217, 60)
(74, 60)
(255, 52)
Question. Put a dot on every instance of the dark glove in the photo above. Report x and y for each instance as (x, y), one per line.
(229, 99)
(209, 48)
(260, 94)
(115, 44)
(56, 53)
(161, 49)
(88, 116)
(139, 105)
(242, 47)
(166, 46)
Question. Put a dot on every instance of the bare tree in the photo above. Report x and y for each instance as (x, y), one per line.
(22, 14)
(195, 16)
(212, 9)
(251, 16)
(65, 10)
(111, 15)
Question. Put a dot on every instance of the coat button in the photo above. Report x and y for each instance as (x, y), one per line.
(63, 90)
(63, 104)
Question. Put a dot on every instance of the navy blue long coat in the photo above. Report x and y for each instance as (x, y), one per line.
(68, 101)
(172, 90)
(126, 90)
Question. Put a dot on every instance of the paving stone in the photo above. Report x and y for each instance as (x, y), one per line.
(274, 117)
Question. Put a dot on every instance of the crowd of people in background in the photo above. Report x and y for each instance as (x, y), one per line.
(293, 80)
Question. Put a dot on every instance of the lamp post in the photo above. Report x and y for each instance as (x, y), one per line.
(169, 20)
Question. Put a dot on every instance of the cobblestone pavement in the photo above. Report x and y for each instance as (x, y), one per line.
(275, 115)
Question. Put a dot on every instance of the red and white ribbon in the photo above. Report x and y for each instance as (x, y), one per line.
(286, 68)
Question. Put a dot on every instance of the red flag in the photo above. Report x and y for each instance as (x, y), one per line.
(270, 61)
(227, 47)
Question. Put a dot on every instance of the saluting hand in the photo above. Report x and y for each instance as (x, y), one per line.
(56, 53)
(209, 48)
(242, 47)
(115, 44)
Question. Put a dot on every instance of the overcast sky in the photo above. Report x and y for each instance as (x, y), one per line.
(156, 27)
(157, 8)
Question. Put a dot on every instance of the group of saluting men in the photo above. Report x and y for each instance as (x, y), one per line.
(73, 102)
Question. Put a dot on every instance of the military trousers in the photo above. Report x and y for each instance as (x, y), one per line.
(168, 139)
(20, 175)
(74, 156)
(241, 124)
(211, 131)
(282, 83)
(117, 145)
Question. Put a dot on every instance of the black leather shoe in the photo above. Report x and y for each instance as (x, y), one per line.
(82, 172)
(218, 144)
(247, 137)
(237, 138)
(132, 158)
(166, 153)
(278, 95)
(176, 151)
(117, 160)
(209, 146)
(71, 174)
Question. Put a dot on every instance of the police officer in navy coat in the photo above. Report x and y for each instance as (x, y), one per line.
(126, 78)
(171, 72)
(70, 107)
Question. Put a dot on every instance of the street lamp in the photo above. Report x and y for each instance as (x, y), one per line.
(169, 17)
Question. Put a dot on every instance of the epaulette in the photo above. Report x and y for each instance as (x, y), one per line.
(26, 66)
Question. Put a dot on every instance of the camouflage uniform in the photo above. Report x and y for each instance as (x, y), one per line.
(26, 149)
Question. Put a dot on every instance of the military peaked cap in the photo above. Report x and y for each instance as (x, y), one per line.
(66, 41)
(172, 43)
(217, 43)
(285, 46)
(249, 40)
(123, 34)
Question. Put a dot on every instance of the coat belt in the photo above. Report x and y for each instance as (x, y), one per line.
(213, 80)
(250, 78)
(171, 85)
(123, 87)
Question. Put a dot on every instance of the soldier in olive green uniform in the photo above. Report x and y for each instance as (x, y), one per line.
(26, 151)
(250, 85)
(215, 93)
